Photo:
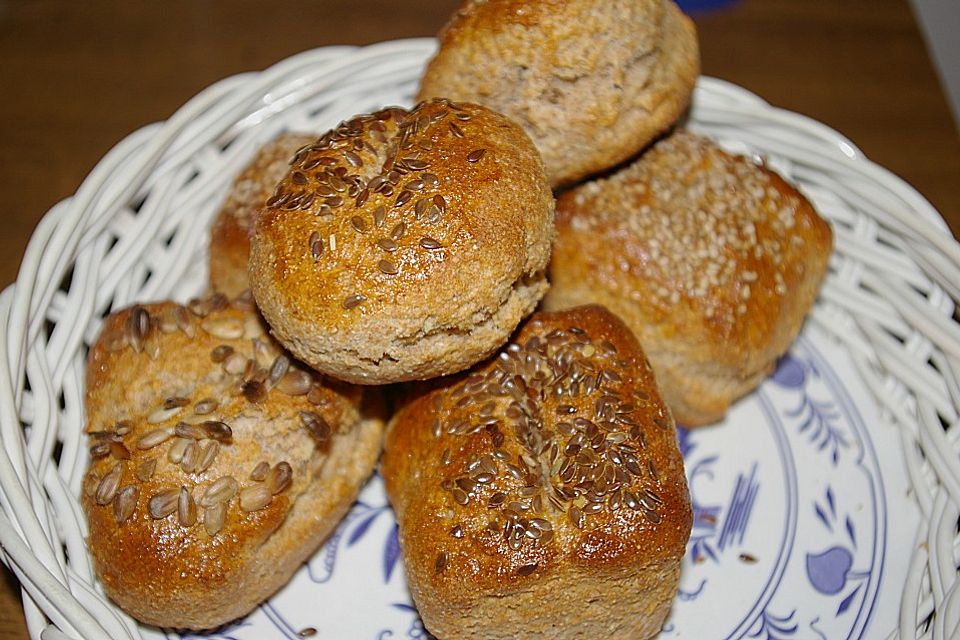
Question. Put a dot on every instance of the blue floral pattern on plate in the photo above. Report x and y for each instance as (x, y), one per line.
(790, 540)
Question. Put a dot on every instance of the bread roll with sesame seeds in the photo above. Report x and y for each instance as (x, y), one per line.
(591, 81)
(233, 226)
(218, 465)
(542, 494)
(712, 260)
(405, 245)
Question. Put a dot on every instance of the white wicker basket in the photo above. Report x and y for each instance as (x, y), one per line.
(136, 231)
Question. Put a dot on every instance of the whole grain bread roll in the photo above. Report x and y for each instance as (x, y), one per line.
(218, 465)
(542, 494)
(591, 81)
(404, 245)
(233, 226)
(711, 259)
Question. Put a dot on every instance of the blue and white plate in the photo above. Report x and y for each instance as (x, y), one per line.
(801, 524)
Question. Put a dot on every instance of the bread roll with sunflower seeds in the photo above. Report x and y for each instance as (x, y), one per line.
(218, 464)
(591, 81)
(233, 226)
(711, 259)
(542, 494)
(405, 245)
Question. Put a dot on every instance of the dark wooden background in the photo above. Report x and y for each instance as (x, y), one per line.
(79, 76)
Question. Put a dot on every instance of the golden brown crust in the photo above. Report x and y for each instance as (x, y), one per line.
(233, 226)
(545, 473)
(405, 245)
(712, 260)
(591, 81)
(218, 466)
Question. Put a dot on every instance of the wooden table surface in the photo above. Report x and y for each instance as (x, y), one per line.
(78, 77)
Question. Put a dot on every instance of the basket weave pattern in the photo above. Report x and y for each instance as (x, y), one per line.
(136, 231)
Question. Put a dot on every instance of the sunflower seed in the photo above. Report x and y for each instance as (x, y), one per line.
(125, 503)
(260, 471)
(107, 489)
(235, 364)
(214, 517)
(162, 415)
(207, 455)
(220, 490)
(205, 406)
(255, 498)
(223, 328)
(254, 391)
(153, 438)
(190, 431)
(138, 328)
(281, 476)
(145, 469)
(278, 369)
(177, 449)
(163, 504)
(295, 383)
(99, 450)
(221, 353)
(186, 508)
(182, 317)
(119, 451)
(191, 458)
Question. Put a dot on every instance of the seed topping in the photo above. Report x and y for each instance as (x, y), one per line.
(476, 155)
(566, 399)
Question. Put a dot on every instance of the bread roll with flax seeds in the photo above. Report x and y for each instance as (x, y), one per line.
(591, 81)
(405, 245)
(233, 226)
(542, 494)
(218, 465)
(712, 260)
